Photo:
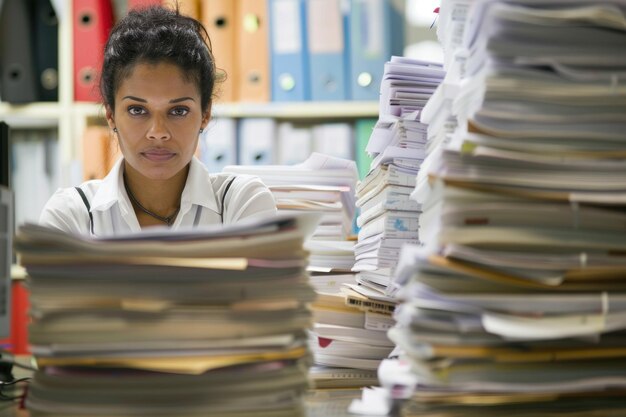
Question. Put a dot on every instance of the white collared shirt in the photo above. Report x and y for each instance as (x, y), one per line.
(200, 204)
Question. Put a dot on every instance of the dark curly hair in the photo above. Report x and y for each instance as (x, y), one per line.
(153, 35)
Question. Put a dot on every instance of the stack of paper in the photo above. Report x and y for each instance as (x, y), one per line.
(351, 320)
(348, 337)
(388, 217)
(515, 304)
(207, 322)
(322, 184)
(326, 185)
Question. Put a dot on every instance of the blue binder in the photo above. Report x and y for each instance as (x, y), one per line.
(288, 48)
(256, 140)
(327, 45)
(218, 144)
(376, 33)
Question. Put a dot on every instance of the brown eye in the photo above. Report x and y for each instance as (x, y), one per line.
(179, 111)
(136, 110)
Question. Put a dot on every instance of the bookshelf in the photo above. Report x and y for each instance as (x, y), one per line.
(308, 110)
(67, 120)
(70, 118)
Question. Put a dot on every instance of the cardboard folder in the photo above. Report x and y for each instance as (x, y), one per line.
(100, 151)
(219, 18)
(253, 50)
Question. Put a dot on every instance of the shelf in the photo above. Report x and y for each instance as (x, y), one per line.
(300, 110)
(31, 115)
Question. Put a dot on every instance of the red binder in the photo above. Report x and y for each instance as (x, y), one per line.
(92, 22)
(138, 4)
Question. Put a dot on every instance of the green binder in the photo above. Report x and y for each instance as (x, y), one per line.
(363, 130)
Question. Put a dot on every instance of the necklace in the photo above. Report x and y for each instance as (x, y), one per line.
(167, 220)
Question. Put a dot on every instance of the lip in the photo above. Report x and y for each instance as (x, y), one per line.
(158, 154)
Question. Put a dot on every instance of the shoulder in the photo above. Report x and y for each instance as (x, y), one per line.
(240, 181)
(243, 196)
(66, 210)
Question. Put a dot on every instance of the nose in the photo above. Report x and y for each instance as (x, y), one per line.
(158, 130)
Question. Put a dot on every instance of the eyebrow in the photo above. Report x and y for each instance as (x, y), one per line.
(176, 100)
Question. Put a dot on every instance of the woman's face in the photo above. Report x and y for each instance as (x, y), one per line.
(158, 117)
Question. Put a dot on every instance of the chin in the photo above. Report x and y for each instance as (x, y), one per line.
(159, 173)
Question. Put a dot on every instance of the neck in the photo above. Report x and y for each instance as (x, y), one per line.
(160, 197)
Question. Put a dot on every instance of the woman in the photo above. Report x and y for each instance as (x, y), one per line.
(157, 83)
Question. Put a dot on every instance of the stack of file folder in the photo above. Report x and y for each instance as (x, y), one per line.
(515, 304)
(206, 322)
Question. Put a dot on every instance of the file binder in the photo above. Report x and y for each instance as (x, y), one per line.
(218, 144)
(294, 143)
(46, 29)
(18, 80)
(219, 17)
(335, 139)
(100, 151)
(256, 141)
(138, 4)
(363, 129)
(35, 167)
(189, 8)
(5, 154)
(376, 33)
(253, 49)
(92, 23)
(20, 318)
(327, 49)
(288, 46)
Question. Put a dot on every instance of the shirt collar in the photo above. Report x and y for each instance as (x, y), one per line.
(111, 189)
(197, 189)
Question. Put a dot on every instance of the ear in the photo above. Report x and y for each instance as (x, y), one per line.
(206, 117)
(109, 116)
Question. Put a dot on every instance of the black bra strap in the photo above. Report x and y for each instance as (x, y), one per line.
(224, 197)
(84, 198)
